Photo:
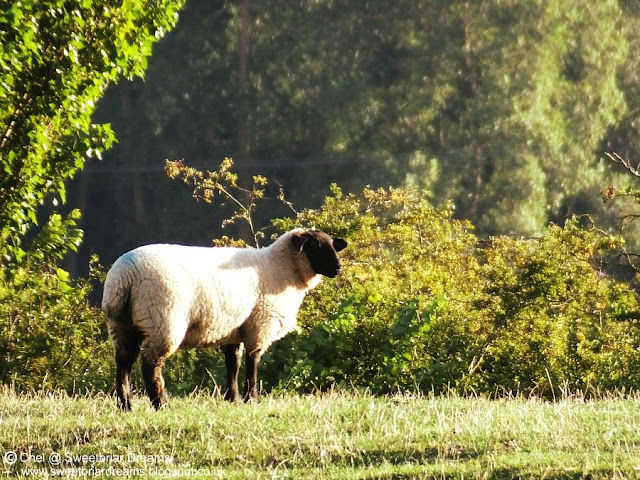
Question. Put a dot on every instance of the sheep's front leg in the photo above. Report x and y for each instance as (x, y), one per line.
(251, 365)
(232, 359)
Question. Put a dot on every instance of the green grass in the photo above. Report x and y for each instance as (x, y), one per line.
(337, 435)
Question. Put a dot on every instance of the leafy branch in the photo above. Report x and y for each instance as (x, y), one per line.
(223, 184)
(611, 192)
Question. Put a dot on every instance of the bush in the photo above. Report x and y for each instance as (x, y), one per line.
(552, 319)
(50, 336)
(424, 305)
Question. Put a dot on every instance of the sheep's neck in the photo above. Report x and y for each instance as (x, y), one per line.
(306, 280)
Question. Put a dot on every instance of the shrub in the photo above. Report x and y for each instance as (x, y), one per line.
(551, 316)
(423, 304)
(50, 336)
(397, 318)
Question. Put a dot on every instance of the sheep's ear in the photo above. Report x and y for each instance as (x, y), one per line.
(299, 239)
(339, 244)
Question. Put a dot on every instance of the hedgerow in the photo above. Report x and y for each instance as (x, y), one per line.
(425, 305)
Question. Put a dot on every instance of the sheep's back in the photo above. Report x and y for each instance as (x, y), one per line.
(192, 295)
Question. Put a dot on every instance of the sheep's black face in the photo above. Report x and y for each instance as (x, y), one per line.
(322, 251)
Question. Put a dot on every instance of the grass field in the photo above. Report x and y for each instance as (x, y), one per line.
(337, 435)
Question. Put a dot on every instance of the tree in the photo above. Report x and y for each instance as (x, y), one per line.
(56, 60)
(622, 141)
(623, 138)
(531, 93)
(500, 106)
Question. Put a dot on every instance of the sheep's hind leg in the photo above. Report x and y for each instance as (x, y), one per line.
(232, 359)
(251, 365)
(153, 380)
(126, 342)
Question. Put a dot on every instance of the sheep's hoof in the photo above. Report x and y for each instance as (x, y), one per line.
(124, 403)
(160, 403)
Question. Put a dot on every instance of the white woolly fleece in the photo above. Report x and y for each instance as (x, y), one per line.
(182, 296)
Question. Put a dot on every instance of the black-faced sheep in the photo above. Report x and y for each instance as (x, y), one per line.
(160, 298)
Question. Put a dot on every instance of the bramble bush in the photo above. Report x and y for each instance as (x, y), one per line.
(551, 319)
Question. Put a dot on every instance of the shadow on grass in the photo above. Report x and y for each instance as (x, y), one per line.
(415, 463)
(499, 474)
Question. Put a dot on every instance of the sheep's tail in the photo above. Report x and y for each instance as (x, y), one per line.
(116, 297)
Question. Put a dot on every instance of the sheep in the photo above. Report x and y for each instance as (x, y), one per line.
(160, 298)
